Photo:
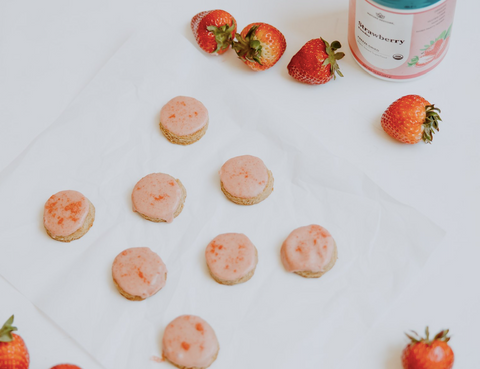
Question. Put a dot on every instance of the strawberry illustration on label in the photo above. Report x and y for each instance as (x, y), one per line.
(432, 51)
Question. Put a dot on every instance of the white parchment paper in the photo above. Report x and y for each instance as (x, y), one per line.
(109, 138)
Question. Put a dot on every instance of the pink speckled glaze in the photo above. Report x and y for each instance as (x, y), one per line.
(244, 176)
(231, 256)
(184, 115)
(157, 196)
(309, 248)
(65, 212)
(139, 272)
(190, 342)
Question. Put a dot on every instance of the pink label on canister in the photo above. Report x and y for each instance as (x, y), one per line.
(399, 44)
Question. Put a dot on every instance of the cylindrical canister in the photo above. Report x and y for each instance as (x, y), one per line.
(399, 40)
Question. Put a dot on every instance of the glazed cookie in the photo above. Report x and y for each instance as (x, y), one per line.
(138, 273)
(309, 251)
(68, 215)
(231, 258)
(190, 343)
(158, 197)
(245, 180)
(184, 120)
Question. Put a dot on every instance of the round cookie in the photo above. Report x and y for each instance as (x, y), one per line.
(189, 342)
(183, 120)
(65, 366)
(309, 251)
(68, 215)
(138, 273)
(158, 197)
(231, 258)
(245, 180)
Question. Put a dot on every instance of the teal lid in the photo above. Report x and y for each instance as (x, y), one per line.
(406, 4)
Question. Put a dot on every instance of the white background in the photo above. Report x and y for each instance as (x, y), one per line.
(50, 50)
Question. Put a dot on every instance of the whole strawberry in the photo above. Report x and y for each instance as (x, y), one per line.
(423, 353)
(260, 46)
(13, 352)
(411, 119)
(214, 30)
(316, 62)
(66, 366)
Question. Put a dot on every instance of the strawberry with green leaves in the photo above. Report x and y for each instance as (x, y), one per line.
(260, 46)
(426, 353)
(316, 62)
(13, 351)
(214, 30)
(411, 119)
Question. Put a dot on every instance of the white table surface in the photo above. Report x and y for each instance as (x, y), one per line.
(50, 50)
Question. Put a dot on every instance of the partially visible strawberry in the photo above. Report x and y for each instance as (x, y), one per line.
(316, 62)
(411, 119)
(13, 352)
(423, 353)
(214, 30)
(260, 46)
(66, 366)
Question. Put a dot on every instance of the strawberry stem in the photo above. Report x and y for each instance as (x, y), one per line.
(442, 336)
(223, 35)
(333, 57)
(431, 123)
(248, 48)
(6, 331)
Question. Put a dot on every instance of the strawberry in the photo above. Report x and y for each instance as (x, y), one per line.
(214, 30)
(66, 366)
(316, 62)
(411, 119)
(433, 49)
(260, 46)
(13, 352)
(423, 353)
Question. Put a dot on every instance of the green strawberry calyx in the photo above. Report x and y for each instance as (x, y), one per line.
(6, 331)
(333, 57)
(248, 48)
(431, 123)
(416, 338)
(223, 35)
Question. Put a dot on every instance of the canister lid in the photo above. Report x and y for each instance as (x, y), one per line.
(407, 4)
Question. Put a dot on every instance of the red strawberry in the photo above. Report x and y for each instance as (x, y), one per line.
(214, 30)
(13, 352)
(423, 353)
(260, 46)
(316, 62)
(66, 366)
(411, 119)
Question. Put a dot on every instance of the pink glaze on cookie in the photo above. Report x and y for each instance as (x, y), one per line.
(231, 256)
(244, 176)
(139, 272)
(65, 212)
(184, 116)
(190, 342)
(157, 196)
(309, 248)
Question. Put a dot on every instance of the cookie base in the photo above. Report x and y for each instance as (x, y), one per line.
(243, 279)
(87, 224)
(132, 297)
(183, 140)
(177, 212)
(194, 367)
(310, 274)
(253, 200)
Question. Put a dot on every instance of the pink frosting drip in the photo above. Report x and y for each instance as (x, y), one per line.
(190, 341)
(244, 176)
(139, 271)
(230, 256)
(309, 248)
(158, 196)
(184, 115)
(65, 212)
